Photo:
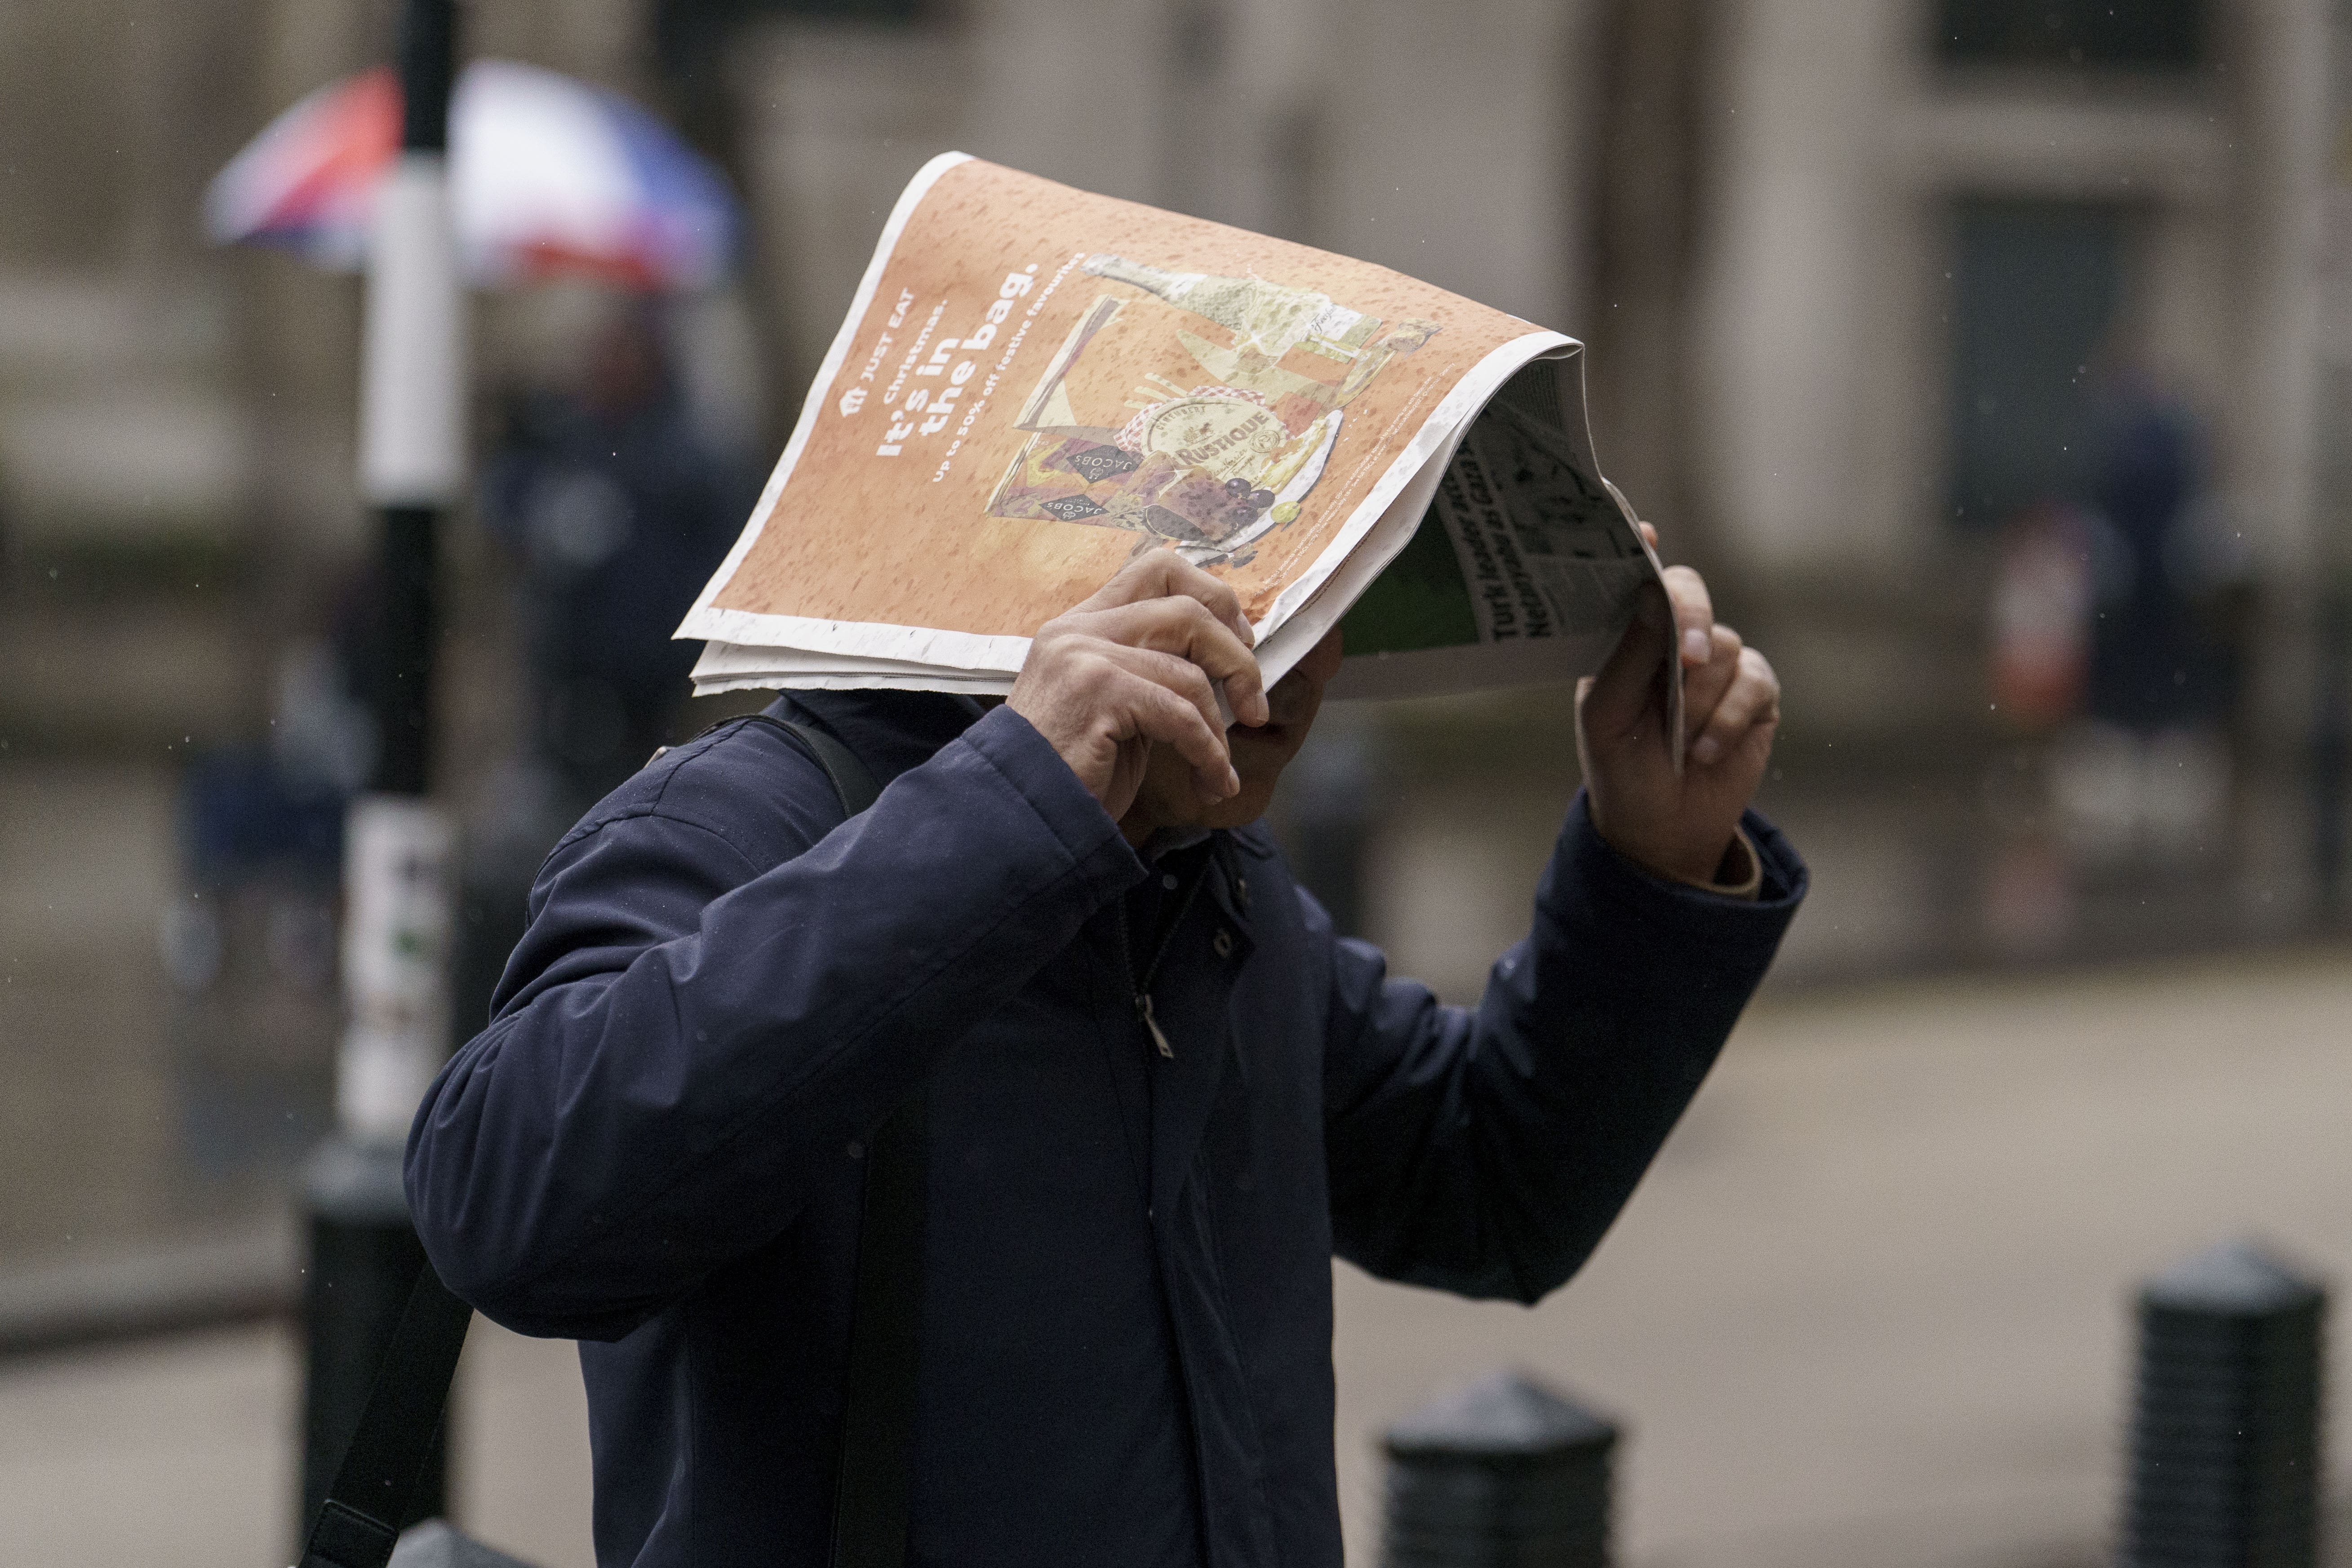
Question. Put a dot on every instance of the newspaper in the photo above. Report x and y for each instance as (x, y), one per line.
(1034, 385)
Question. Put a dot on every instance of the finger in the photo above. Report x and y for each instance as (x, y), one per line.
(1705, 686)
(1180, 676)
(1693, 613)
(1618, 696)
(1190, 629)
(1752, 703)
(1163, 716)
(1649, 533)
(1163, 573)
(1140, 577)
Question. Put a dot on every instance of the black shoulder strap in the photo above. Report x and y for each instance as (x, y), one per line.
(359, 1522)
(875, 1493)
(852, 785)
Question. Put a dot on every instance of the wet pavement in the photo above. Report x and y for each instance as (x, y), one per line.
(167, 1053)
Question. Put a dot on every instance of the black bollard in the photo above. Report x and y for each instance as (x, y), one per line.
(363, 1253)
(2225, 1420)
(1502, 1474)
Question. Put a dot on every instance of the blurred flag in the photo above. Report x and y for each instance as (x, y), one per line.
(549, 177)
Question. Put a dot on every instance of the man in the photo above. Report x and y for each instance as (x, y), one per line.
(1161, 1094)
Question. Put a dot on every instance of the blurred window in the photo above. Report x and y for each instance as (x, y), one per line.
(690, 16)
(846, 10)
(2034, 291)
(2124, 35)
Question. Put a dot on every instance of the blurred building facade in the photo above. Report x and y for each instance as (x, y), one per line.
(1933, 225)
(1793, 231)
(1851, 273)
(1856, 275)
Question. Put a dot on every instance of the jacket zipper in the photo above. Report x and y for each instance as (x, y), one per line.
(1159, 1036)
(1143, 985)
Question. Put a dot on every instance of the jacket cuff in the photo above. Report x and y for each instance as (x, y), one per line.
(1739, 874)
(1032, 769)
(1587, 860)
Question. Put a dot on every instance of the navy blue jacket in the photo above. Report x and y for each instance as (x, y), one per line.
(1126, 1337)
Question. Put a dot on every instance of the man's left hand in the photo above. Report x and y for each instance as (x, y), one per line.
(1679, 826)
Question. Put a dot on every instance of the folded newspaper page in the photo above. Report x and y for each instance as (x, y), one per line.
(1034, 385)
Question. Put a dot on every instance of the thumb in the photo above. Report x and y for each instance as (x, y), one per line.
(1620, 695)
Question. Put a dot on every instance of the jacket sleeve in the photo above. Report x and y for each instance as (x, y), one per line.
(687, 1035)
(1486, 1153)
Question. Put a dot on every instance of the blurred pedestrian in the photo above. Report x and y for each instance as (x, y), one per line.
(2041, 618)
(2150, 771)
(248, 937)
(2042, 592)
(2149, 672)
(619, 509)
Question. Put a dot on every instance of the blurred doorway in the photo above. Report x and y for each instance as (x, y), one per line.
(2035, 289)
(2145, 37)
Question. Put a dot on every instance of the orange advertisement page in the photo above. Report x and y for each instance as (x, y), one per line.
(1035, 383)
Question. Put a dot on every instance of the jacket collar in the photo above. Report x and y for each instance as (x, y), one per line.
(891, 732)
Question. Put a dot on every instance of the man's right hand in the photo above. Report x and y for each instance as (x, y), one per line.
(1137, 664)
